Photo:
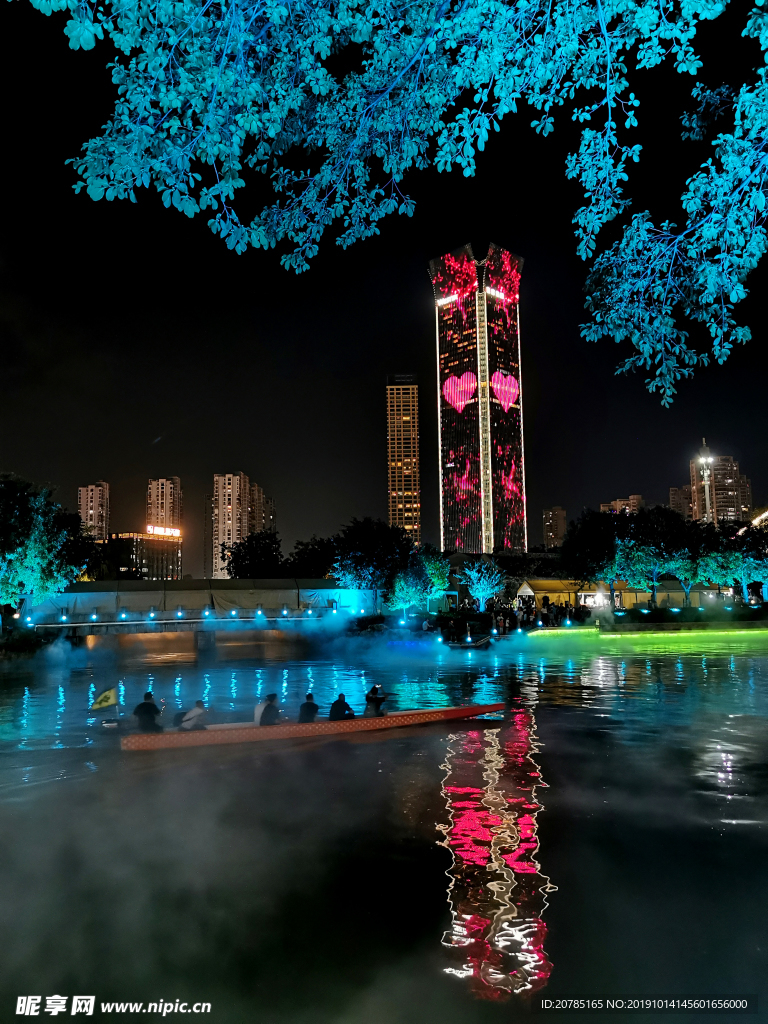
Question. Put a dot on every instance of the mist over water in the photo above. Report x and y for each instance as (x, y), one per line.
(608, 836)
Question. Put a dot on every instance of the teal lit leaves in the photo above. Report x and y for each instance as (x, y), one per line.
(483, 579)
(208, 91)
(36, 545)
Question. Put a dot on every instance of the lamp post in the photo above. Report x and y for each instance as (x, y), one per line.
(706, 472)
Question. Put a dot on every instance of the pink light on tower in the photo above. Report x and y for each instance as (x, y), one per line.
(497, 892)
(480, 409)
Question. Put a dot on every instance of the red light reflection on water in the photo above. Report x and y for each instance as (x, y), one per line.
(497, 892)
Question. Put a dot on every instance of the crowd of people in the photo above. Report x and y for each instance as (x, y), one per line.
(148, 712)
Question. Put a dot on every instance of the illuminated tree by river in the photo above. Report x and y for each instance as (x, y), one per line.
(39, 555)
(334, 101)
(483, 580)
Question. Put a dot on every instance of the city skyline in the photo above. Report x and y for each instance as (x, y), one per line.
(262, 509)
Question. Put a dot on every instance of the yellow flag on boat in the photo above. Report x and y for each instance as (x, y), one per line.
(104, 700)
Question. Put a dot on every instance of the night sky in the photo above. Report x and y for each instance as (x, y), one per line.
(134, 344)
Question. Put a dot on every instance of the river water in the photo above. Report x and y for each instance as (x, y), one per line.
(606, 837)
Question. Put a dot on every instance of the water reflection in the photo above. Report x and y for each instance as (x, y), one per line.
(497, 892)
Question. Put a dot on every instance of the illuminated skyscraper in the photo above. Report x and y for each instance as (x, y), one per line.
(236, 508)
(262, 511)
(164, 502)
(404, 489)
(681, 500)
(480, 407)
(93, 506)
(553, 521)
(229, 511)
(718, 489)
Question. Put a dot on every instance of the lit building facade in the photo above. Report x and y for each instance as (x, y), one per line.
(627, 505)
(403, 474)
(480, 402)
(156, 554)
(164, 502)
(680, 501)
(554, 526)
(236, 508)
(262, 511)
(718, 489)
(93, 506)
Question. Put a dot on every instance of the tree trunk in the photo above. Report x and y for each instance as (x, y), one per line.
(613, 596)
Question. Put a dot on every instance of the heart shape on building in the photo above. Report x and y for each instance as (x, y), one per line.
(457, 391)
(506, 389)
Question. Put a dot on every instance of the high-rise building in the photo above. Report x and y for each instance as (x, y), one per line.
(262, 511)
(229, 509)
(156, 554)
(164, 502)
(404, 484)
(237, 508)
(680, 500)
(630, 504)
(554, 526)
(718, 489)
(480, 407)
(93, 506)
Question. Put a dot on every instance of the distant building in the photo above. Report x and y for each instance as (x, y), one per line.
(164, 502)
(403, 473)
(480, 402)
(236, 508)
(680, 500)
(718, 489)
(262, 515)
(156, 555)
(554, 526)
(93, 506)
(630, 504)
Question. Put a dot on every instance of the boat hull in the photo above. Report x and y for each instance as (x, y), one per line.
(248, 733)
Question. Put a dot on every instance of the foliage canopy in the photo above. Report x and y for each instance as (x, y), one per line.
(484, 580)
(371, 553)
(257, 556)
(42, 548)
(335, 101)
(643, 547)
